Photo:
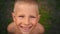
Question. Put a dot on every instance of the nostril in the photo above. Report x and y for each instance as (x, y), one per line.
(21, 26)
(30, 26)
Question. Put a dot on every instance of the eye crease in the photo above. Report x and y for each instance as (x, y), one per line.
(32, 17)
(21, 16)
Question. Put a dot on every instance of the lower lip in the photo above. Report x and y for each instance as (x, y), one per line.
(25, 29)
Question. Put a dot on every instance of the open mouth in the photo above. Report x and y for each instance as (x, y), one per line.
(25, 29)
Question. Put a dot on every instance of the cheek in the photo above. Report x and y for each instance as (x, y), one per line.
(17, 21)
(34, 21)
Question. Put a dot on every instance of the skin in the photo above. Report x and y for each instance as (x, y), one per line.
(25, 19)
(39, 29)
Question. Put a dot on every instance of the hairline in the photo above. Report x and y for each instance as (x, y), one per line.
(28, 2)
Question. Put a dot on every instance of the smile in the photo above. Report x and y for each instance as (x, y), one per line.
(25, 29)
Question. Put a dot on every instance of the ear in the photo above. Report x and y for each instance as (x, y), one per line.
(39, 17)
(13, 16)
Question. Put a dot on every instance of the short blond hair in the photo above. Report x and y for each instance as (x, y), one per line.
(31, 2)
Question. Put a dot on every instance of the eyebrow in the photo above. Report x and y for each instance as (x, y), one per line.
(32, 15)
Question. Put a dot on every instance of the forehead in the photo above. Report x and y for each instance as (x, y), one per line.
(25, 7)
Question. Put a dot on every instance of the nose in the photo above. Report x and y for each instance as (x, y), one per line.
(26, 21)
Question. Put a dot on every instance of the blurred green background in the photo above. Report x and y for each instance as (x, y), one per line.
(49, 10)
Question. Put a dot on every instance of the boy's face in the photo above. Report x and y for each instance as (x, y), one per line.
(25, 17)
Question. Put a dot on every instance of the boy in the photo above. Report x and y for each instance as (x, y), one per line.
(25, 18)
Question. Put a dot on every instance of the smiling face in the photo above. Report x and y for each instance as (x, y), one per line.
(25, 17)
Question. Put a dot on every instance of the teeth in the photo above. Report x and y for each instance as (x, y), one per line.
(26, 29)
